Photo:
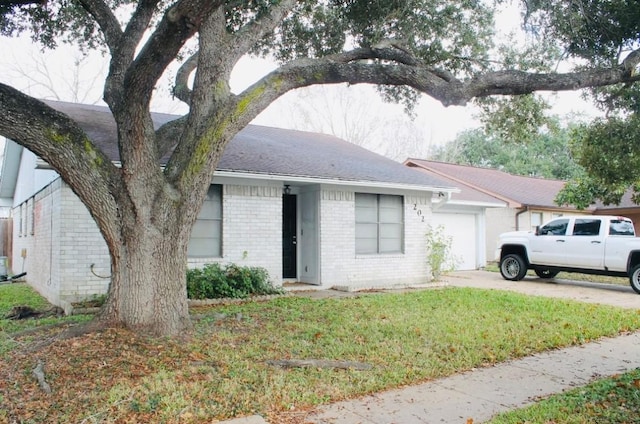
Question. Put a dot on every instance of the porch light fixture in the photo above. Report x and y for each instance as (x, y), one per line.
(286, 189)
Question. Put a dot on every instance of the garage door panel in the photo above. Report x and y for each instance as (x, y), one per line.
(463, 232)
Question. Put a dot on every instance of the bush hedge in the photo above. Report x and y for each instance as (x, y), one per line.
(215, 281)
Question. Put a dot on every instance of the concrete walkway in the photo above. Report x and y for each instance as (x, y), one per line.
(484, 392)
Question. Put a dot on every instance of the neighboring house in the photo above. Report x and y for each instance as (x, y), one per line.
(464, 217)
(626, 208)
(307, 207)
(529, 201)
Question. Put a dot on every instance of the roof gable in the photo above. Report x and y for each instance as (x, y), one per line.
(518, 191)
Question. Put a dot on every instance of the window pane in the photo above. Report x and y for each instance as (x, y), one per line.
(391, 209)
(366, 215)
(391, 231)
(388, 201)
(390, 238)
(365, 246)
(536, 219)
(586, 227)
(379, 223)
(390, 245)
(621, 228)
(366, 210)
(203, 248)
(557, 227)
(366, 200)
(366, 231)
(206, 234)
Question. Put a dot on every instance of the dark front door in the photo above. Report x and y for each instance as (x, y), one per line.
(289, 220)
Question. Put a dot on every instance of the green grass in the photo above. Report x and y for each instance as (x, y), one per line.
(222, 370)
(407, 338)
(21, 294)
(611, 400)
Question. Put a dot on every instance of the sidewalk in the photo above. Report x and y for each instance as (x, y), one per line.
(484, 392)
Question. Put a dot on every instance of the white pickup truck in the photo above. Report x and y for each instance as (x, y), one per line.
(588, 244)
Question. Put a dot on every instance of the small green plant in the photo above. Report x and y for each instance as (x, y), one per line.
(215, 281)
(439, 254)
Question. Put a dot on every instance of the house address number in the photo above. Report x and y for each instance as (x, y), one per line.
(418, 211)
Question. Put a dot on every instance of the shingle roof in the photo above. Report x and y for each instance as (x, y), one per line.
(272, 151)
(518, 191)
(467, 194)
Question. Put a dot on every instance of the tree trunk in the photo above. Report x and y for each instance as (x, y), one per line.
(148, 291)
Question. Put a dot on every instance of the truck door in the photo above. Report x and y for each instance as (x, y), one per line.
(585, 245)
(548, 246)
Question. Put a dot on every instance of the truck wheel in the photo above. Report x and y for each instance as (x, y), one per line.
(634, 278)
(512, 267)
(545, 273)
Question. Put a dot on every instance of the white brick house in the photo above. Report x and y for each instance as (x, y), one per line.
(307, 207)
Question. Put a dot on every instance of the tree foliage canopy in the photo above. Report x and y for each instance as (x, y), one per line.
(442, 49)
(544, 155)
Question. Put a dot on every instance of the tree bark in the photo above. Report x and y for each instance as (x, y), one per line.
(148, 290)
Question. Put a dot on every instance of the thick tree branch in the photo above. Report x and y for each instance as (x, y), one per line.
(350, 68)
(375, 66)
(180, 22)
(250, 34)
(59, 140)
(107, 21)
(243, 41)
(181, 89)
(136, 27)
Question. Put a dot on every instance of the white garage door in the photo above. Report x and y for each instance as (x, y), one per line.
(462, 229)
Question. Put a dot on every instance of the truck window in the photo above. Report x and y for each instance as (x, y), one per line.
(557, 227)
(620, 227)
(586, 227)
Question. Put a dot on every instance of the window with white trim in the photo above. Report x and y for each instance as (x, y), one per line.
(536, 219)
(206, 235)
(379, 223)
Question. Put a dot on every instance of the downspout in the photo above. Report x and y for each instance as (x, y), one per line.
(442, 202)
(518, 216)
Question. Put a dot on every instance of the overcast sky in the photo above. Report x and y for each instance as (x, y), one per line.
(50, 75)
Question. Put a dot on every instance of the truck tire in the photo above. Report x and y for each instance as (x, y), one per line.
(545, 273)
(634, 278)
(513, 267)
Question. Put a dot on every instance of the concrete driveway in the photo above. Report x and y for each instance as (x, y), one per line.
(607, 294)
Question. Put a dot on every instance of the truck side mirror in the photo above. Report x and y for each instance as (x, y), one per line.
(537, 232)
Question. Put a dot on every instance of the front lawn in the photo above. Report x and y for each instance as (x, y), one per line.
(610, 400)
(222, 370)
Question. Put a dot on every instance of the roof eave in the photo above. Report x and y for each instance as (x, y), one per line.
(319, 180)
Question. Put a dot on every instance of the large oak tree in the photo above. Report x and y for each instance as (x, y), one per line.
(145, 213)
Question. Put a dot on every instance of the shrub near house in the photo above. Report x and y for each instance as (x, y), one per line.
(215, 281)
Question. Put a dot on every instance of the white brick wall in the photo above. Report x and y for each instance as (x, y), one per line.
(340, 266)
(64, 244)
(81, 245)
(66, 241)
(251, 228)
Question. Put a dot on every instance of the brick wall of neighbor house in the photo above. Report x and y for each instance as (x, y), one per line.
(340, 266)
(251, 228)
